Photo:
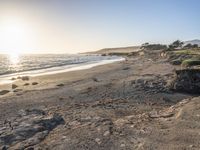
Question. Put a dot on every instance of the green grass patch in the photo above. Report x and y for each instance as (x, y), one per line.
(188, 51)
(191, 62)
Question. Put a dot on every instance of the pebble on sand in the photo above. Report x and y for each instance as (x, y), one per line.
(34, 83)
(25, 78)
(13, 78)
(98, 141)
(17, 90)
(26, 84)
(106, 133)
(3, 92)
(14, 86)
(59, 85)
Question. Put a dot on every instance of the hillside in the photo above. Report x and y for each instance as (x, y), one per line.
(192, 42)
(117, 50)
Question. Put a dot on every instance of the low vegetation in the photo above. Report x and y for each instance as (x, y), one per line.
(191, 62)
(148, 46)
(195, 51)
(175, 45)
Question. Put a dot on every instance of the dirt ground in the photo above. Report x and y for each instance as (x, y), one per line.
(120, 106)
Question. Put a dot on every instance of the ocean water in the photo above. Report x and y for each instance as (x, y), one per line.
(47, 63)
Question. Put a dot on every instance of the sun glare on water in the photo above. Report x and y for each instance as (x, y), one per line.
(14, 58)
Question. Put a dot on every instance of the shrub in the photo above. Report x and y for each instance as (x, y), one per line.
(191, 62)
(154, 46)
(176, 44)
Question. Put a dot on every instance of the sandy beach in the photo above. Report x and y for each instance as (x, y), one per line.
(99, 75)
(123, 105)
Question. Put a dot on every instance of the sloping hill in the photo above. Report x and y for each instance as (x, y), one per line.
(196, 41)
(117, 50)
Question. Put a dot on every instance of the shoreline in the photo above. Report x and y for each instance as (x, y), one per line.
(6, 79)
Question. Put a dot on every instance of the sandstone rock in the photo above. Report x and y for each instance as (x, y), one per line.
(14, 86)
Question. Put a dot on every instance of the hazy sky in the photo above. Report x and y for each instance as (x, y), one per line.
(70, 26)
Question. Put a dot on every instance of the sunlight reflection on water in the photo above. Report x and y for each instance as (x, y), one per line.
(14, 59)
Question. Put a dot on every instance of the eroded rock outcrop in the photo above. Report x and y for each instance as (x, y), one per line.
(29, 128)
(187, 80)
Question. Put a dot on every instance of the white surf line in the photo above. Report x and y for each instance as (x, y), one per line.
(6, 79)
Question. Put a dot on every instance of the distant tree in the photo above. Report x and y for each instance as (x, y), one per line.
(144, 45)
(188, 46)
(176, 44)
(191, 46)
(195, 46)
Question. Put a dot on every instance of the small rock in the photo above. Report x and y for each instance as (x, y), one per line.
(126, 68)
(26, 84)
(122, 145)
(133, 126)
(74, 123)
(34, 83)
(95, 79)
(14, 86)
(19, 77)
(25, 78)
(61, 98)
(191, 146)
(30, 148)
(106, 133)
(17, 90)
(3, 92)
(98, 141)
(59, 85)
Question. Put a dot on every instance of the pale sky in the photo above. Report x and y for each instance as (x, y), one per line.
(71, 26)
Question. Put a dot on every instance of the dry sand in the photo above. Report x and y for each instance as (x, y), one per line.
(124, 105)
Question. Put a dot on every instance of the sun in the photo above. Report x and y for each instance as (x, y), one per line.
(15, 35)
